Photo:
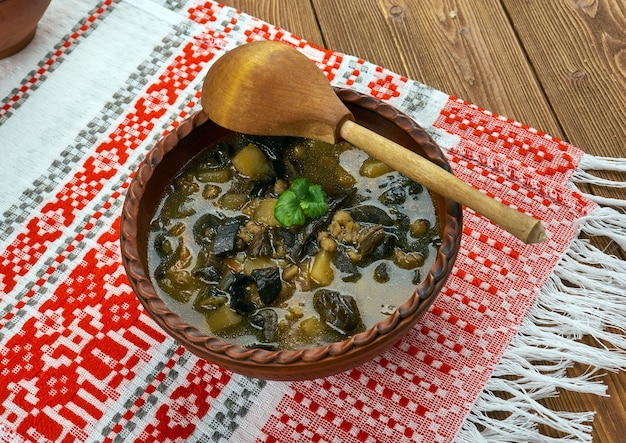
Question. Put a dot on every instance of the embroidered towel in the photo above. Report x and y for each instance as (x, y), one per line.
(80, 360)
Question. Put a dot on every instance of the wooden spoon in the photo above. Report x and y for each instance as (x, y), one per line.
(269, 88)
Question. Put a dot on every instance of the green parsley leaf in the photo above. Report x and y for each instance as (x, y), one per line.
(300, 187)
(315, 205)
(303, 199)
(287, 210)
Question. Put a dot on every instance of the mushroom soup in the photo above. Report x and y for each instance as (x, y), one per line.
(284, 243)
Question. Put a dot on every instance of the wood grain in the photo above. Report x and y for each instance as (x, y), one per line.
(465, 48)
(296, 16)
(559, 66)
(578, 50)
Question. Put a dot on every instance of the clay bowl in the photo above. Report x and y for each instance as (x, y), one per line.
(18, 23)
(176, 149)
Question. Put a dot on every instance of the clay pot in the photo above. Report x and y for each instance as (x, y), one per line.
(18, 23)
(189, 139)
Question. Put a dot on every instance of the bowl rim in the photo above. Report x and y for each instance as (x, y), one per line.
(274, 363)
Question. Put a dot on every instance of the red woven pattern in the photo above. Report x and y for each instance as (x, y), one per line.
(534, 149)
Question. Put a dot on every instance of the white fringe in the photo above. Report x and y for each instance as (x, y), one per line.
(605, 201)
(585, 294)
(591, 163)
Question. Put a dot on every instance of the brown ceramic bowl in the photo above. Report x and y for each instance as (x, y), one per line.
(18, 23)
(188, 140)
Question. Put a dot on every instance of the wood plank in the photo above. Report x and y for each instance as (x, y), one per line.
(295, 16)
(464, 48)
(578, 50)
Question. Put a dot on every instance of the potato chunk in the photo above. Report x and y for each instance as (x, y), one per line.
(310, 327)
(251, 161)
(232, 201)
(214, 176)
(223, 319)
(264, 212)
(321, 271)
(373, 168)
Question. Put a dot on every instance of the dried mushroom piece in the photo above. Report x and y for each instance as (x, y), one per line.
(265, 320)
(212, 299)
(268, 283)
(239, 291)
(370, 214)
(226, 236)
(337, 310)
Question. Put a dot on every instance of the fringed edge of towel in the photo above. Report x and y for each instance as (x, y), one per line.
(593, 163)
(584, 296)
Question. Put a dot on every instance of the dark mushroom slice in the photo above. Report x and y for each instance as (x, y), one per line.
(274, 148)
(268, 283)
(210, 300)
(283, 240)
(261, 188)
(261, 244)
(422, 245)
(208, 274)
(173, 277)
(239, 291)
(311, 230)
(337, 310)
(178, 258)
(412, 188)
(370, 214)
(342, 261)
(177, 285)
(401, 228)
(182, 258)
(213, 167)
(369, 239)
(219, 157)
(395, 195)
(384, 249)
(163, 246)
(226, 236)
(311, 247)
(208, 268)
(265, 320)
(174, 206)
(204, 229)
(381, 273)
(408, 260)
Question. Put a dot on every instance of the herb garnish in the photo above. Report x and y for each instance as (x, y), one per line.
(303, 199)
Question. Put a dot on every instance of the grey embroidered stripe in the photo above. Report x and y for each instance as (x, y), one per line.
(85, 139)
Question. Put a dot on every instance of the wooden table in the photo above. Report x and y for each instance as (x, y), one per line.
(558, 66)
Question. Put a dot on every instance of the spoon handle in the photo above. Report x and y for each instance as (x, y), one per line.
(524, 227)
